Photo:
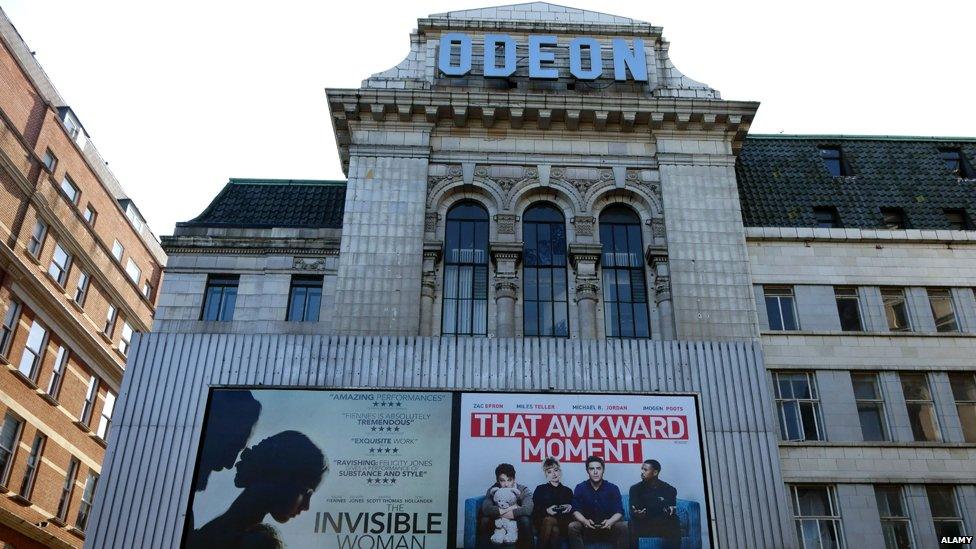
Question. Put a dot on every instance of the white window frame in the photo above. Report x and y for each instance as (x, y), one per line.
(904, 518)
(889, 307)
(81, 288)
(8, 330)
(954, 497)
(834, 518)
(91, 394)
(90, 215)
(15, 443)
(133, 270)
(783, 402)
(36, 243)
(111, 316)
(58, 369)
(878, 401)
(930, 402)
(849, 293)
(952, 306)
(125, 340)
(50, 160)
(58, 270)
(67, 489)
(34, 347)
(777, 293)
(117, 250)
(70, 190)
(965, 404)
(33, 464)
(105, 420)
(87, 497)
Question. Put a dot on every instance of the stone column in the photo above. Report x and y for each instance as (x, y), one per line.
(428, 286)
(585, 258)
(662, 291)
(506, 257)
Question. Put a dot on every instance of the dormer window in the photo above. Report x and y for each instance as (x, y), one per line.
(826, 217)
(956, 163)
(833, 160)
(893, 219)
(133, 214)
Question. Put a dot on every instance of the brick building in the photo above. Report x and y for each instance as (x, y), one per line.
(79, 271)
(571, 231)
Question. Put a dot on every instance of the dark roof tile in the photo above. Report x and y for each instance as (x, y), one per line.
(266, 203)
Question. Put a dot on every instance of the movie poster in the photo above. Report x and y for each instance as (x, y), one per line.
(522, 430)
(321, 468)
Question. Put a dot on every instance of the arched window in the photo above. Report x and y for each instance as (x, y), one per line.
(466, 271)
(544, 270)
(624, 290)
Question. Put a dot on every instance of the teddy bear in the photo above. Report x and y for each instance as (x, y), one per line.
(506, 530)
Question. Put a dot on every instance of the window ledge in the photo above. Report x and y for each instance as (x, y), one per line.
(57, 521)
(105, 338)
(4, 489)
(78, 307)
(119, 353)
(83, 426)
(26, 380)
(50, 399)
(4, 361)
(21, 500)
(863, 334)
(874, 444)
(54, 280)
(101, 441)
(33, 259)
(76, 531)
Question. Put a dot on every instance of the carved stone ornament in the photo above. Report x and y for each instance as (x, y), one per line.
(584, 225)
(606, 175)
(582, 185)
(430, 221)
(308, 264)
(428, 284)
(506, 287)
(481, 172)
(531, 173)
(657, 227)
(432, 182)
(506, 223)
(557, 173)
(454, 171)
(587, 290)
(633, 176)
(506, 183)
(662, 289)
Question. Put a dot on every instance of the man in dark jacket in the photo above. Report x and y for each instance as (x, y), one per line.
(653, 505)
(521, 512)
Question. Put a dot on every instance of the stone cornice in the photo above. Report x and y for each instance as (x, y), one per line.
(638, 29)
(250, 246)
(864, 236)
(538, 111)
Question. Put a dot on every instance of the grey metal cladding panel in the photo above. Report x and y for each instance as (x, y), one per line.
(141, 499)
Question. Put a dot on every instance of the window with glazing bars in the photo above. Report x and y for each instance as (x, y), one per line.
(833, 160)
(81, 288)
(33, 462)
(90, 395)
(60, 263)
(921, 408)
(9, 435)
(30, 361)
(67, 489)
(943, 309)
(9, 328)
(87, 496)
(305, 298)
(465, 298)
(896, 309)
(799, 406)
(105, 421)
(870, 406)
(546, 305)
(964, 392)
(57, 371)
(624, 287)
(220, 298)
(945, 511)
(780, 308)
(896, 525)
(817, 516)
(848, 308)
(36, 242)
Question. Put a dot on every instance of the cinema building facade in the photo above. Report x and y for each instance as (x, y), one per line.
(571, 215)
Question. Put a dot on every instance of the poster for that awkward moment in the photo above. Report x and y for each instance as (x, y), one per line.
(506, 438)
(321, 468)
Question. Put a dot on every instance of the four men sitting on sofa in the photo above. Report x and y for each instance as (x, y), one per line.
(593, 511)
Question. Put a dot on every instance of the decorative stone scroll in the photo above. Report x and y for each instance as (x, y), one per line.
(308, 264)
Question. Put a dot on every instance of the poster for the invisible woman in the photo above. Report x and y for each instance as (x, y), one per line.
(352, 469)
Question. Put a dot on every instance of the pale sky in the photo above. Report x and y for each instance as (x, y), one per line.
(181, 95)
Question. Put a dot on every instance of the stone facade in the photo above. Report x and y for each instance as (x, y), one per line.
(415, 143)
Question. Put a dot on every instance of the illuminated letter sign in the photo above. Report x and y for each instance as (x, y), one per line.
(542, 57)
(447, 44)
(492, 42)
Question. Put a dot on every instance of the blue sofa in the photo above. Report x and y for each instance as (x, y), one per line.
(689, 517)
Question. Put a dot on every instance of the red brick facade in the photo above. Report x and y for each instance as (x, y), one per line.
(29, 127)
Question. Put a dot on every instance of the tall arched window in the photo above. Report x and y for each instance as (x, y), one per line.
(624, 290)
(546, 310)
(466, 271)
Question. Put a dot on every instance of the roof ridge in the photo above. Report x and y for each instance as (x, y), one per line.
(920, 138)
(264, 181)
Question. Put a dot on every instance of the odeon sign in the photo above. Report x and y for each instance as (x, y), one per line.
(542, 57)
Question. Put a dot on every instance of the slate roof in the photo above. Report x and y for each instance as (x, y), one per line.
(782, 178)
(265, 203)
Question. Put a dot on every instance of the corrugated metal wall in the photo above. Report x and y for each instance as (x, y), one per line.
(142, 497)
